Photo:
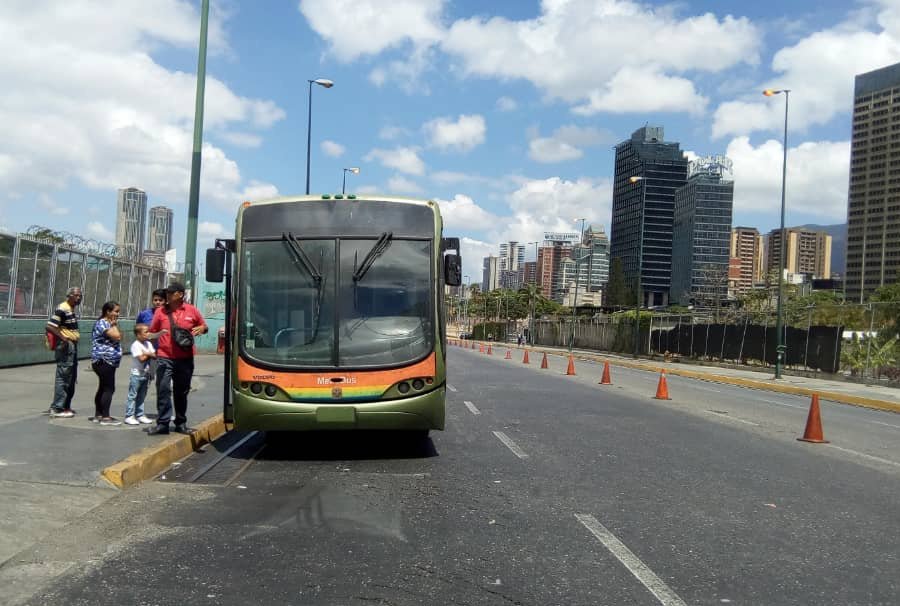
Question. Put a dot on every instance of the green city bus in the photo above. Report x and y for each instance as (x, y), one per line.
(335, 313)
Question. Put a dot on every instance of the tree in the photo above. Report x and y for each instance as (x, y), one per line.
(616, 290)
(888, 309)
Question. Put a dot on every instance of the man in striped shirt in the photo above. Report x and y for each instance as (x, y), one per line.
(64, 325)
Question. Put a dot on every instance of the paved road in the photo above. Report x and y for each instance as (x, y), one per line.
(545, 489)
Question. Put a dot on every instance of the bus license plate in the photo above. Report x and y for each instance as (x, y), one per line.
(336, 414)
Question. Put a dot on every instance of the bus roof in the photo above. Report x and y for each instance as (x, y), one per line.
(338, 197)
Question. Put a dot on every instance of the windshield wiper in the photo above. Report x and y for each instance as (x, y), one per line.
(300, 258)
(380, 246)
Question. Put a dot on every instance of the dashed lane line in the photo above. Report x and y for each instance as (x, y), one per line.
(451, 388)
(728, 417)
(472, 408)
(635, 566)
(511, 445)
(864, 455)
(885, 424)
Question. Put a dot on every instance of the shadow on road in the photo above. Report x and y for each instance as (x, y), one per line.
(346, 445)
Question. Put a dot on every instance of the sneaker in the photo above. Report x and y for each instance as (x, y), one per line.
(158, 430)
(131, 421)
(72, 410)
(62, 414)
(144, 419)
(94, 419)
(110, 421)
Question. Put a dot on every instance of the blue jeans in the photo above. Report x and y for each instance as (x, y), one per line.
(66, 374)
(173, 382)
(137, 391)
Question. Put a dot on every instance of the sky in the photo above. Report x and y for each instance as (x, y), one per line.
(506, 112)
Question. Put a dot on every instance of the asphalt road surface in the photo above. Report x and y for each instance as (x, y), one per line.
(544, 489)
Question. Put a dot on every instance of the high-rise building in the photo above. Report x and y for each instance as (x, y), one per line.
(551, 256)
(529, 273)
(648, 170)
(701, 233)
(512, 260)
(159, 229)
(131, 214)
(747, 247)
(873, 234)
(490, 276)
(598, 266)
(807, 252)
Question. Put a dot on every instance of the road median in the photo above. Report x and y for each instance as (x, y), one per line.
(156, 458)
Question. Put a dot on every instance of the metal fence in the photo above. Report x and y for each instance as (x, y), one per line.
(35, 274)
(858, 342)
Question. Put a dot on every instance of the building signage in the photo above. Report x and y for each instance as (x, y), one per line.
(553, 236)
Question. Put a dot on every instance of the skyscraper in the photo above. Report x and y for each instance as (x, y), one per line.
(701, 233)
(747, 247)
(490, 277)
(648, 170)
(512, 261)
(596, 240)
(808, 252)
(159, 232)
(131, 214)
(873, 236)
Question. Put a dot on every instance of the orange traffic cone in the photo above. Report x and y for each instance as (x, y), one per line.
(813, 431)
(481, 348)
(525, 357)
(662, 390)
(544, 361)
(508, 354)
(490, 352)
(605, 379)
(571, 369)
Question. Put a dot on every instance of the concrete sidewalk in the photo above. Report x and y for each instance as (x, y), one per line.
(51, 470)
(845, 392)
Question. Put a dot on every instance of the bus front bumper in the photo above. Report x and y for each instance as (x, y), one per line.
(420, 412)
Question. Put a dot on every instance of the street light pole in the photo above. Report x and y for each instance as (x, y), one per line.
(466, 301)
(779, 321)
(355, 171)
(575, 298)
(324, 83)
(638, 294)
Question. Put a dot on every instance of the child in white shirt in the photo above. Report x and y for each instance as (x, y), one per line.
(141, 353)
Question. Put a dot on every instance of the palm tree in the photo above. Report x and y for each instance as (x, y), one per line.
(531, 294)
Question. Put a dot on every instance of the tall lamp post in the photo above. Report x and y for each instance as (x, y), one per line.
(779, 321)
(575, 298)
(355, 171)
(638, 293)
(324, 83)
(466, 301)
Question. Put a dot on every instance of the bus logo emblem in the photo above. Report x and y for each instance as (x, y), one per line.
(336, 392)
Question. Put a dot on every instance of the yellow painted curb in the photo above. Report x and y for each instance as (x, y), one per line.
(153, 460)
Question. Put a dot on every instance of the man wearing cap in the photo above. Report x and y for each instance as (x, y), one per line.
(175, 363)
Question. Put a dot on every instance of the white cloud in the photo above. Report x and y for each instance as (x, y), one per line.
(566, 143)
(462, 135)
(473, 253)
(820, 71)
(248, 140)
(463, 213)
(354, 28)
(817, 177)
(125, 119)
(507, 104)
(404, 159)
(390, 133)
(51, 206)
(574, 51)
(332, 149)
(401, 185)
(406, 73)
(257, 190)
(98, 231)
(210, 230)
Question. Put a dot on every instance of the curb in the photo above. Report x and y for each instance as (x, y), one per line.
(153, 460)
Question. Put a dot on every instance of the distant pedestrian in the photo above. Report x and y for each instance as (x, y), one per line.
(142, 353)
(63, 324)
(145, 316)
(106, 353)
(178, 324)
(520, 340)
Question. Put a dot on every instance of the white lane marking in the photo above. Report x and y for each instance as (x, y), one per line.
(511, 445)
(777, 403)
(642, 573)
(864, 455)
(451, 388)
(472, 408)
(730, 418)
(885, 424)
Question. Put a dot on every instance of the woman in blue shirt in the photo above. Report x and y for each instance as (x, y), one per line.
(106, 353)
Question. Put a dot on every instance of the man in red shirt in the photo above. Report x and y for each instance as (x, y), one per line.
(175, 364)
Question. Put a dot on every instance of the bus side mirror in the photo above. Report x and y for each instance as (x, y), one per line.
(215, 264)
(452, 270)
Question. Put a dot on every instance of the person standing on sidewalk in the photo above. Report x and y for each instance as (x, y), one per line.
(63, 324)
(142, 353)
(106, 353)
(145, 316)
(178, 322)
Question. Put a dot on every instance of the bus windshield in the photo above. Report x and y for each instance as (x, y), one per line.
(361, 310)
